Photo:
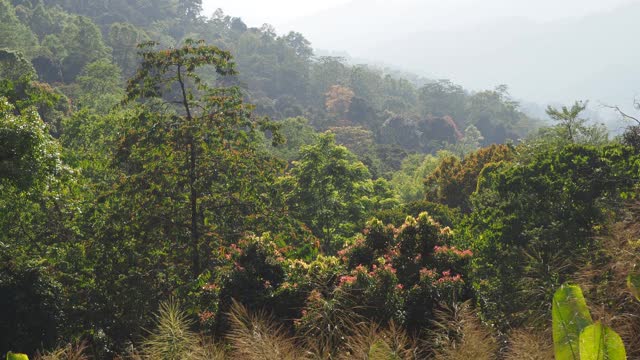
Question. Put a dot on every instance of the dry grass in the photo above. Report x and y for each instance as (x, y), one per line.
(255, 337)
(371, 342)
(529, 345)
(604, 280)
(69, 352)
(459, 335)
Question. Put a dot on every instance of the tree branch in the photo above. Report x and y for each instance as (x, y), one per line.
(622, 113)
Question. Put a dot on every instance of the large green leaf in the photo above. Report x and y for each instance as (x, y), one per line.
(570, 317)
(599, 342)
(12, 356)
(633, 283)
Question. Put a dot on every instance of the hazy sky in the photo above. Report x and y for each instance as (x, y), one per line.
(275, 12)
(282, 13)
(545, 50)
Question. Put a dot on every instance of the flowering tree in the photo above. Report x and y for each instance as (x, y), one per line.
(338, 100)
(401, 273)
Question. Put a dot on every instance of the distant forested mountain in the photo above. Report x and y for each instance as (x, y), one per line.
(579, 50)
(66, 40)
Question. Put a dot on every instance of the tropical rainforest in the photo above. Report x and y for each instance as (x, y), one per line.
(174, 186)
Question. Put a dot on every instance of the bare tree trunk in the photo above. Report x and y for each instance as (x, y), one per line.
(193, 196)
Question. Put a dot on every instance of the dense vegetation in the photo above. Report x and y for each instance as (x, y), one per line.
(268, 203)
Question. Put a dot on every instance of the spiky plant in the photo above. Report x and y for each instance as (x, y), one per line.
(172, 338)
(543, 274)
(327, 323)
(459, 335)
(371, 342)
(254, 336)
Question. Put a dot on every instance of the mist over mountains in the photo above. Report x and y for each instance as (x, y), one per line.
(571, 51)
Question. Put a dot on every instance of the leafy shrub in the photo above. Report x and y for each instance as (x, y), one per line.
(530, 217)
(250, 272)
(32, 304)
(453, 181)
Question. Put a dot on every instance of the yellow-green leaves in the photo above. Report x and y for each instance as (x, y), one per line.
(570, 317)
(12, 356)
(575, 336)
(633, 283)
(599, 342)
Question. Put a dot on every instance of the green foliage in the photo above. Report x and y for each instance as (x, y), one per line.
(298, 133)
(405, 271)
(575, 335)
(35, 212)
(137, 12)
(599, 342)
(361, 142)
(13, 33)
(99, 86)
(27, 151)
(255, 272)
(330, 191)
(568, 119)
(32, 301)
(18, 85)
(497, 116)
(442, 98)
(530, 217)
(409, 181)
(225, 174)
(14, 356)
(453, 181)
(124, 39)
(471, 141)
(159, 195)
(570, 317)
(570, 129)
(83, 44)
(14, 67)
(633, 283)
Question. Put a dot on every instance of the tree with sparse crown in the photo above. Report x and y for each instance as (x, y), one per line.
(193, 150)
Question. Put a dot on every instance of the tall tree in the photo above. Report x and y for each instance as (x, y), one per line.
(124, 39)
(442, 98)
(194, 150)
(569, 119)
(99, 86)
(299, 44)
(328, 188)
(33, 209)
(189, 9)
(83, 42)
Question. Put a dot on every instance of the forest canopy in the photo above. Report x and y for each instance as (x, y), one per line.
(175, 186)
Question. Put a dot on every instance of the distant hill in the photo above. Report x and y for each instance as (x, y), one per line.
(589, 57)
